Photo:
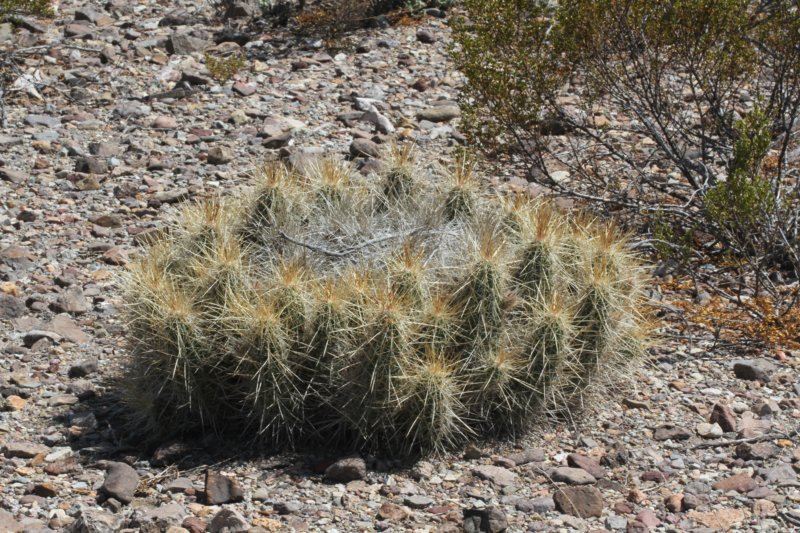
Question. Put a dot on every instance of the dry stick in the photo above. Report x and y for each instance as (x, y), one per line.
(3, 120)
(789, 518)
(759, 438)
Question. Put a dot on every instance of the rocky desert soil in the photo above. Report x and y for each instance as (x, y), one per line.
(112, 122)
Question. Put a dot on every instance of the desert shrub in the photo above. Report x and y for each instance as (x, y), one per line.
(13, 8)
(223, 68)
(333, 19)
(404, 312)
(679, 114)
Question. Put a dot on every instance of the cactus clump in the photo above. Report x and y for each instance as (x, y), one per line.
(405, 312)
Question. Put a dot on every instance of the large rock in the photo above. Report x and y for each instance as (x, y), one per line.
(184, 44)
(572, 476)
(121, 482)
(10, 307)
(8, 523)
(93, 521)
(723, 415)
(364, 148)
(487, 520)
(441, 113)
(347, 469)
(586, 463)
(738, 482)
(498, 475)
(220, 489)
(754, 370)
(243, 9)
(670, 432)
(71, 301)
(228, 521)
(17, 257)
(14, 176)
(220, 155)
(24, 450)
(530, 455)
(60, 327)
(66, 327)
(757, 451)
(777, 475)
(583, 502)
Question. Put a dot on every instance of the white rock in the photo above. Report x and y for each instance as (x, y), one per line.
(58, 453)
(709, 431)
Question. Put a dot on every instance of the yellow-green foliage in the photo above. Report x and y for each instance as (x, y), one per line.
(224, 68)
(406, 312)
(12, 8)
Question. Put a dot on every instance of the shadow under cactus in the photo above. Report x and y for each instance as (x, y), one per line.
(407, 312)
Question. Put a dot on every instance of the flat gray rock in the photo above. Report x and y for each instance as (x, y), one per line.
(754, 370)
(441, 113)
(572, 476)
(498, 475)
(228, 521)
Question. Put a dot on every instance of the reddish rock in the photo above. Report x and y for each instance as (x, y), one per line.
(655, 475)
(738, 482)
(583, 502)
(243, 89)
(648, 518)
(586, 463)
(392, 512)
(194, 524)
(723, 415)
(623, 508)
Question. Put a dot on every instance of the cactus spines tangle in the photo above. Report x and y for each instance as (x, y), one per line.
(406, 271)
(399, 179)
(461, 198)
(332, 178)
(538, 265)
(431, 411)
(482, 291)
(406, 313)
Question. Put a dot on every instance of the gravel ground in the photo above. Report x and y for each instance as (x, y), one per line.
(124, 125)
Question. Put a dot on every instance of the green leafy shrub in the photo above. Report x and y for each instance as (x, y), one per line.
(405, 312)
(664, 110)
(740, 203)
(13, 8)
